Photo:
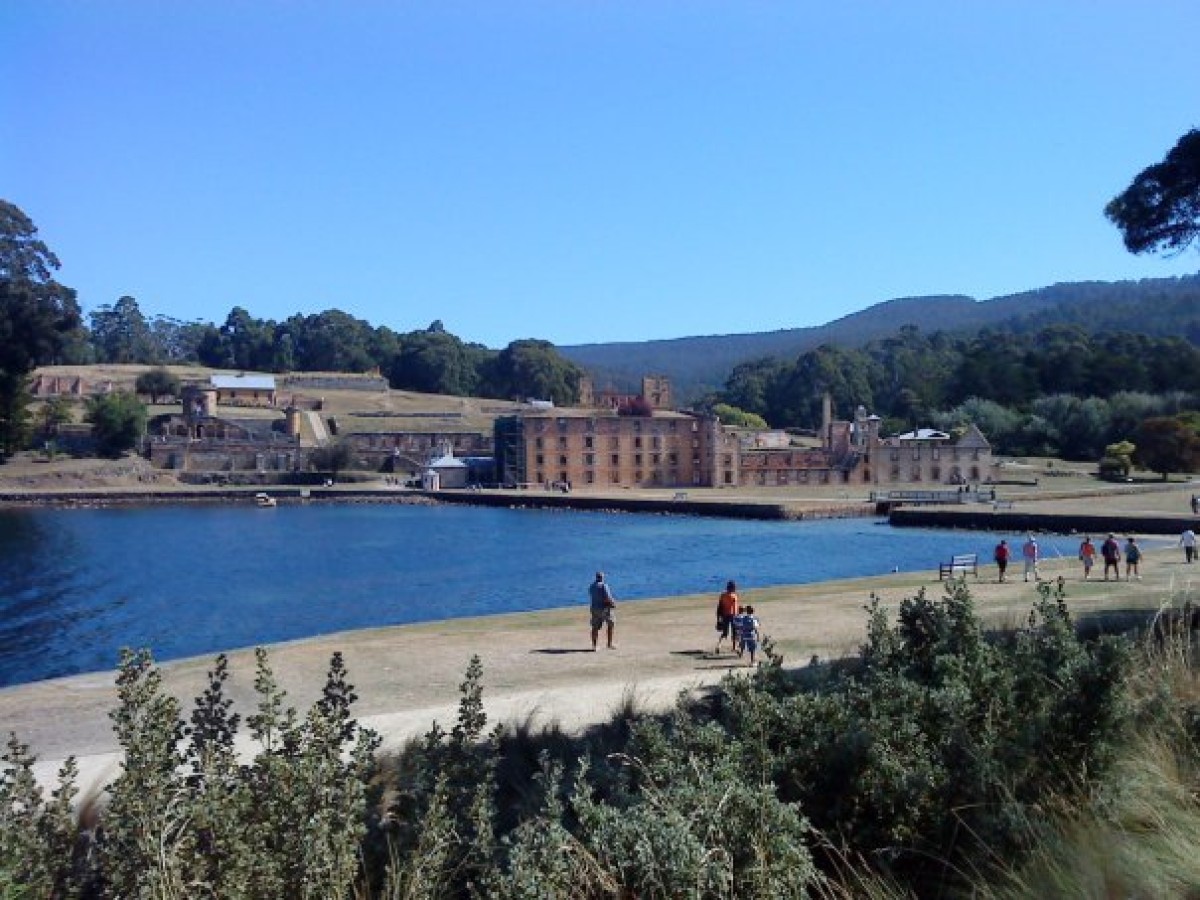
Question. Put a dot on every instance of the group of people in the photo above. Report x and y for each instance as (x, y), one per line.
(1030, 552)
(1110, 552)
(734, 621)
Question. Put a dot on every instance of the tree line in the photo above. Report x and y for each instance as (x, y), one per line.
(1057, 391)
(430, 360)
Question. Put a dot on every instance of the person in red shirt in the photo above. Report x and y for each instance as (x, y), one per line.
(727, 608)
(1002, 558)
(1087, 555)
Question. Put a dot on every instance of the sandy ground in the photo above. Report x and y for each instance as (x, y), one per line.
(540, 665)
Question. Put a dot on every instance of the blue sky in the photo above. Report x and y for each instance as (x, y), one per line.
(585, 171)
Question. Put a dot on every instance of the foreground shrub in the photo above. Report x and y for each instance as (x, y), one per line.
(940, 757)
(185, 818)
(926, 755)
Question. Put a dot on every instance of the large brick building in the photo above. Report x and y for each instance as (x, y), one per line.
(603, 449)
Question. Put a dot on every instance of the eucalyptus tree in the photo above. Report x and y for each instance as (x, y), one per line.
(1160, 210)
(39, 318)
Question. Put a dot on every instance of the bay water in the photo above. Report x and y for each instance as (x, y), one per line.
(76, 585)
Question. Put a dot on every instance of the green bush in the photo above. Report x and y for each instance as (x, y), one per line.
(939, 750)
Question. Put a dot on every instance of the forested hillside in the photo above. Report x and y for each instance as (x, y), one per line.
(699, 365)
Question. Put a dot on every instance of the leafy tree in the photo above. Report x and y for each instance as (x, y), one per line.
(121, 334)
(533, 368)
(1119, 457)
(1000, 424)
(333, 458)
(1078, 427)
(331, 341)
(1160, 210)
(118, 422)
(54, 413)
(739, 418)
(176, 341)
(158, 382)
(993, 365)
(243, 342)
(1165, 445)
(845, 374)
(751, 385)
(435, 362)
(38, 318)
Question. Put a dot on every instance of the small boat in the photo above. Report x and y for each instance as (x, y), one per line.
(263, 499)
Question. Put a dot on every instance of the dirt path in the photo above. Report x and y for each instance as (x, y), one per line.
(540, 664)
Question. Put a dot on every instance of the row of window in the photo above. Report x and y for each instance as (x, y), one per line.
(589, 459)
(935, 474)
(936, 453)
(614, 442)
(614, 476)
(603, 426)
(785, 476)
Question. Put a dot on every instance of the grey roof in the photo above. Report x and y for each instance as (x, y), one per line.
(449, 461)
(973, 438)
(244, 382)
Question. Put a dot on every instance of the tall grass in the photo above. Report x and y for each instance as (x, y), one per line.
(1136, 833)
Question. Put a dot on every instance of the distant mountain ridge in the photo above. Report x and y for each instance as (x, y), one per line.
(697, 365)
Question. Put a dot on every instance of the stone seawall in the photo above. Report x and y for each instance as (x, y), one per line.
(716, 508)
(727, 509)
(1060, 523)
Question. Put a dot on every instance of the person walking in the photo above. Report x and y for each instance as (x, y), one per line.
(1187, 541)
(1110, 550)
(748, 632)
(727, 609)
(1031, 553)
(1133, 557)
(1087, 556)
(1001, 555)
(602, 605)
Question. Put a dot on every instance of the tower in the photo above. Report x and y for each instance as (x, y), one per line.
(656, 389)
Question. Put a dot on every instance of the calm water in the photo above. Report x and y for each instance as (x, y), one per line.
(77, 585)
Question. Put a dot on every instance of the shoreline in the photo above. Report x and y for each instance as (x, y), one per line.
(538, 666)
(766, 510)
(708, 503)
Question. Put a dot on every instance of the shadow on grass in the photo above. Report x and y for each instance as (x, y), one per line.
(559, 651)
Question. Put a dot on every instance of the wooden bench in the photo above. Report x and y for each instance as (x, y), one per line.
(960, 564)
(1002, 504)
(680, 496)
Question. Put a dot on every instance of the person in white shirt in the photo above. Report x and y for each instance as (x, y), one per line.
(1187, 541)
(1031, 553)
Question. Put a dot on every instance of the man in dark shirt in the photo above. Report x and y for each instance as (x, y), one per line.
(602, 603)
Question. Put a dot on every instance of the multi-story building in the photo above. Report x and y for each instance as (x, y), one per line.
(927, 455)
(604, 449)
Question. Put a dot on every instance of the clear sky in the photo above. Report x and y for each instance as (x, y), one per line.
(585, 171)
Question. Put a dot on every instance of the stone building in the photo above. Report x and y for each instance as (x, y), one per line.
(601, 449)
(244, 390)
(656, 392)
(927, 455)
(201, 440)
(854, 453)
